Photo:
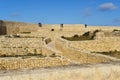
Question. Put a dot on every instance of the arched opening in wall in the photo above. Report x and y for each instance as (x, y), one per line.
(3, 28)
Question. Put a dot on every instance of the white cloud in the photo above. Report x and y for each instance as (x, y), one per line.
(107, 6)
(15, 14)
(116, 20)
(87, 12)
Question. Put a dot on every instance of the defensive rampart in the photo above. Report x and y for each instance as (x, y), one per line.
(20, 46)
(31, 63)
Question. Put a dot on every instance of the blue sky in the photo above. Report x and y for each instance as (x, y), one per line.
(91, 12)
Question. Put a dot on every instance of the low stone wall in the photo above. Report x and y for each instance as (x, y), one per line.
(20, 46)
(79, 56)
(82, 72)
(31, 63)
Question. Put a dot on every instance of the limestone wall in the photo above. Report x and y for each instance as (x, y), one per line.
(15, 27)
(20, 46)
(103, 44)
(80, 56)
(18, 27)
(81, 72)
(104, 27)
(2, 28)
(66, 27)
(31, 63)
(48, 51)
(71, 29)
(77, 27)
(26, 50)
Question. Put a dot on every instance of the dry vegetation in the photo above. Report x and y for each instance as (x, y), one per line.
(111, 53)
(90, 35)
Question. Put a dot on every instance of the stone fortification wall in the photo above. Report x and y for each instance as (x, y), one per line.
(2, 28)
(31, 63)
(107, 28)
(10, 27)
(103, 44)
(29, 53)
(66, 27)
(70, 30)
(20, 46)
(80, 56)
(77, 27)
(15, 27)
